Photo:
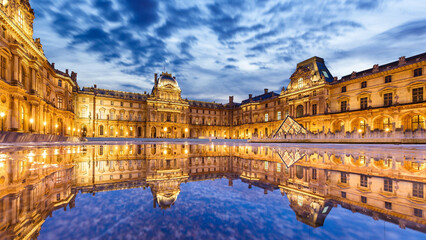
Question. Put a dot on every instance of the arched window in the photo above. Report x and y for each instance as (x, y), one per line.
(111, 131)
(101, 130)
(299, 111)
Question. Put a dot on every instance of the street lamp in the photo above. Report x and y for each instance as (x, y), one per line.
(31, 124)
(56, 129)
(44, 124)
(165, 131)
(2, 117)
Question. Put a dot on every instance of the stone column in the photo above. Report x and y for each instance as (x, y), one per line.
(13, 113)
(15, 70)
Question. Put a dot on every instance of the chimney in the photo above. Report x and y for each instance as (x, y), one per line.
(266, 90)
(250, 97)
(53, 65)
(66, 71)
(335, 79)
(231, 99)
(155, 79)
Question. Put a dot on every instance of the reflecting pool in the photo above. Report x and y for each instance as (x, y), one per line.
(213, 191)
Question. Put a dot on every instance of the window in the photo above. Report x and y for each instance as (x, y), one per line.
(121, 104)
(418, 212)
(101, 131)
(314, 109)
(418, 122)
(314, 173)
(364, 84)
(60, 102)
(417, 72)
(278, 167)
(387, 185)
(364, 103)
(3, 67)
(112, 103)
(101, 102)
(266, 117)
(266, 165)
(131, 105)
(343, 105)
(343, 194)
(364, 181)
(300, 83)
(388, 79)
(417, 95)
(266, 105)
(363, 199)
(343, 178)
(388, 205)
(279, 116)
(344, 89)
(418, 190)
(121, 115)
(20, 18)
(314, 93)
(387, 97)
(59, 83)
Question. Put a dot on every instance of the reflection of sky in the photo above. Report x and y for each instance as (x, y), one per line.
(207, 210)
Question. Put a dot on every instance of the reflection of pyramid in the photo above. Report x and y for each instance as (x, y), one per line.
(289, 158)
(165, 192)
(289, 126)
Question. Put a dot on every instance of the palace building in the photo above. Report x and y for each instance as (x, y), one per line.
(35, 97)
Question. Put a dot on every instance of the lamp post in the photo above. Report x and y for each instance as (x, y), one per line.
(2, 117)
(56, 129)
(31, 124)
(44, 124)
(165, 131)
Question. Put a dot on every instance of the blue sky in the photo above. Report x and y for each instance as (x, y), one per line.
(223, 47)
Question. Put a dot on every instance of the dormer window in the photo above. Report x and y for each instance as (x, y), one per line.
(300, 83)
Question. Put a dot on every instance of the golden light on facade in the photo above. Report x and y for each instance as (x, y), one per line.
(165, 152)
(69, 128)
(360, 130)
(31, 120)
(186, 151)
(44, 123)
(73, 129)
(387, 129)
(165, 129)
(186, 129)
(2, 114)
(56, 126)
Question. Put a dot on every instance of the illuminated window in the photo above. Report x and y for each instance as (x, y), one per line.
(314, 109)
(60, 102)
(20, 18)
(266, 165)
(300, 83)
(387, 124)
(266, 117)
(279, 116)
(418, 122)
(278, 167)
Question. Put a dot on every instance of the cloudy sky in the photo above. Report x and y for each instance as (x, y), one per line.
(217, 48)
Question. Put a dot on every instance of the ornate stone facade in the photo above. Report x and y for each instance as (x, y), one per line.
(34, 96)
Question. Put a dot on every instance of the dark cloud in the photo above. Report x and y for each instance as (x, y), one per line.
(140, 37)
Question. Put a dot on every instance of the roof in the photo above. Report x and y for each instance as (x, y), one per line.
(113, 93)
(262, 97)
(193, 103)
(382, 68)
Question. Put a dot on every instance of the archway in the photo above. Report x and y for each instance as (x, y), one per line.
(383, 123)
(359, 124)
(299, 111)
(153, 132)
(413, 121)
(337, 126)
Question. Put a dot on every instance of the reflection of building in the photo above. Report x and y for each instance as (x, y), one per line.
(35, 97)
(384, 187)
